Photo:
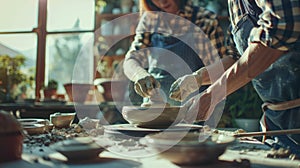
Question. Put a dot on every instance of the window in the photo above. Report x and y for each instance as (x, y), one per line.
(49, 35)
(71, 30)
(18, 49)
(63, 52)
(18, 15)
(62, 17)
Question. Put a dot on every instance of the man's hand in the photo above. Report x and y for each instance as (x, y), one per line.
(186, 85)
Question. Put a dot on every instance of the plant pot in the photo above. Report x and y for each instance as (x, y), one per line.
(11, 147)
(77, 92)
(49, 93)
(112, 89)
(249, 125)
(11, 138)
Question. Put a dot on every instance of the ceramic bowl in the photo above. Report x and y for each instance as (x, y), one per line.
(153, 117)
(33, 129)
(32, 121)
(62, 120)
(187, 148)
(81, 148)
(112, 89)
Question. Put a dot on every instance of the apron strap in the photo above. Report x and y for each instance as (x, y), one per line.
(263, 125)
(276, 107)
(282, 105)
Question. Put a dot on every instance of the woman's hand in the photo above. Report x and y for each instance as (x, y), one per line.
(145, 86)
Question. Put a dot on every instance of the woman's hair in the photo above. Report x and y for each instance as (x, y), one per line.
(148, 5)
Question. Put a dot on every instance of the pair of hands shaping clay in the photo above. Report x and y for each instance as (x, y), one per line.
(156, 100)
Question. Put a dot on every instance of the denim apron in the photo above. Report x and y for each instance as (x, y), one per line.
(170, 58)
(278, 83)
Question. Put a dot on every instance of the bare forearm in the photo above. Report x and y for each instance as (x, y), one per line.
(256, 59)
(215, 70)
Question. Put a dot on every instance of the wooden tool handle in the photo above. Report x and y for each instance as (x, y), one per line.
(268, 133)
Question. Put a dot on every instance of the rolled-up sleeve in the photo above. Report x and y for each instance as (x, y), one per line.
(136, 58)
(279, 24)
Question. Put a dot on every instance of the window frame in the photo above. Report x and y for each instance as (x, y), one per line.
(41, 32)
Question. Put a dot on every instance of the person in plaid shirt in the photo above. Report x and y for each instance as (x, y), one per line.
(266, 35)
(173, 38)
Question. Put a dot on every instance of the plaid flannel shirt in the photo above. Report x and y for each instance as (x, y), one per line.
(279, 23)
(205, 21)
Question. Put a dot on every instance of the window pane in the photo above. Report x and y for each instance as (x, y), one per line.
(64, 52)
(66, 15)
(21, 77)
(18, 15)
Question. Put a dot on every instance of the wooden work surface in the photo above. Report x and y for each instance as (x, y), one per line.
(123, 153)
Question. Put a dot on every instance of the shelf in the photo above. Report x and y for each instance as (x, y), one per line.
(116, 36)
(109, 16)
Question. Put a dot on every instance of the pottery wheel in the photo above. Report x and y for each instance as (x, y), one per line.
(131, 130)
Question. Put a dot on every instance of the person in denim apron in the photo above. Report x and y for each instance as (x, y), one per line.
(279, 83)
(158, 56)
(174, 60)
(275, 73)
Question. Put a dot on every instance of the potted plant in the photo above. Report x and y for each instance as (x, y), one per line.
(10, 76)
(51, 89)
(244, 107)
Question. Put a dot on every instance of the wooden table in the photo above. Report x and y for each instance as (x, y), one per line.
(252, 151)
(242, 155)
